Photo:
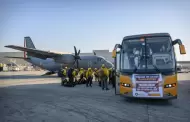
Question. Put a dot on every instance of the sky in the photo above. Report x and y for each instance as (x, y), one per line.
(59, 25)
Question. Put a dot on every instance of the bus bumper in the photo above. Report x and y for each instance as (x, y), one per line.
(165, 97)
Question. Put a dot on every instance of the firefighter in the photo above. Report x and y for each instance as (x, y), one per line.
(113, 78)
(104, 77)
(1, 67)
(64, 76)
(74, 73)
(110, 75)
(96, 75)
(85, 78)
(81, 73)
(89, 76)
(99, 75)
(64, 72)
(71, 78)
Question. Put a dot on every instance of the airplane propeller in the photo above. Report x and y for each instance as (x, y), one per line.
(94, 53)
(77, 57)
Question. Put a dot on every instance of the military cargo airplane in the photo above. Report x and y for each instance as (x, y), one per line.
(53, 61)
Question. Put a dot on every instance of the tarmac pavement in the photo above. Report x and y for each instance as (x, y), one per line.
(29, 97)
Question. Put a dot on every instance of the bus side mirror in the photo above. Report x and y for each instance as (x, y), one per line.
(182, 49)
(114, 53)
(181, 46)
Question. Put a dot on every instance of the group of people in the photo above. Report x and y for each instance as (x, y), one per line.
(102, 76)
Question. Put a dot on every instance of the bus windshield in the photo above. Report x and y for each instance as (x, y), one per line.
(152, 54)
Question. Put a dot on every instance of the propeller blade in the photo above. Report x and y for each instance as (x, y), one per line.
(75, 50)
(78, 52)
(94, 53)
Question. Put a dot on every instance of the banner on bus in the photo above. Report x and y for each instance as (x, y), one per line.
(147, 85)
(147, 77)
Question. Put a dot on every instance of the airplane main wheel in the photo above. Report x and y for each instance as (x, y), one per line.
(62, 83)
(59, 74)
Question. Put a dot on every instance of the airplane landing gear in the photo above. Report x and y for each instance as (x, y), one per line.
(48, 73)
(59, 74)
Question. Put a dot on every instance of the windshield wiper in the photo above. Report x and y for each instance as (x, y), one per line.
(157, 69)
(135, 70)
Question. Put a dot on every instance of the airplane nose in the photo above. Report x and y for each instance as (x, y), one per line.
(109, 64)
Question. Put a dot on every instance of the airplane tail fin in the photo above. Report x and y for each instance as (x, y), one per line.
(28, 44)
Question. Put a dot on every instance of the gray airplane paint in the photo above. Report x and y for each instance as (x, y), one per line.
(85, 62)
(92, 61)
(48, 64)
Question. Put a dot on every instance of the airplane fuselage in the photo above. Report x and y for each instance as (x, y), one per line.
(85, 62)
(48, 64)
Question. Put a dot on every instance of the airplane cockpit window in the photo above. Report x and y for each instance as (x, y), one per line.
(100, 59)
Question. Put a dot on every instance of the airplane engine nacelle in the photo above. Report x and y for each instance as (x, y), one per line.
(65, 59)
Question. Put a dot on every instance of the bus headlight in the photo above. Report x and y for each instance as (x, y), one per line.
(170, 85)
(125, 84)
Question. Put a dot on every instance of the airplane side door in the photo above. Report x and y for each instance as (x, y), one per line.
(117, 74)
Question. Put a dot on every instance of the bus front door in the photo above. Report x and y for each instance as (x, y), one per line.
(117, 73)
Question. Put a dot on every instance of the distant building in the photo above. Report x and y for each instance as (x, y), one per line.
(104, 53)
(12, 60)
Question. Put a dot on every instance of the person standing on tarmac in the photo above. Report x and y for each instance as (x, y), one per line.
(100, 76)
(85, 78)
(110, 75)
(63, 76)
(81, 73)
(1, 67)
(75, 73)
(113, 78)
(96, 75)
(64, 72)
(89, 76)
(71, 77)
(104, 77)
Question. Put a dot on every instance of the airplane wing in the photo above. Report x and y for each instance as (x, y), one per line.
(35, 52)
(15, 57)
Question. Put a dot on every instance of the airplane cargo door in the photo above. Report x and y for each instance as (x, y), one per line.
(117, 73)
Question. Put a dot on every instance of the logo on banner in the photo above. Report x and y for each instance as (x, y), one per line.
(146, 77)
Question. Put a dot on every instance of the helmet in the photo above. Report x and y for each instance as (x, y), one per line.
(103, 65)
(95, 68)
(81, 68)
(65, 67)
